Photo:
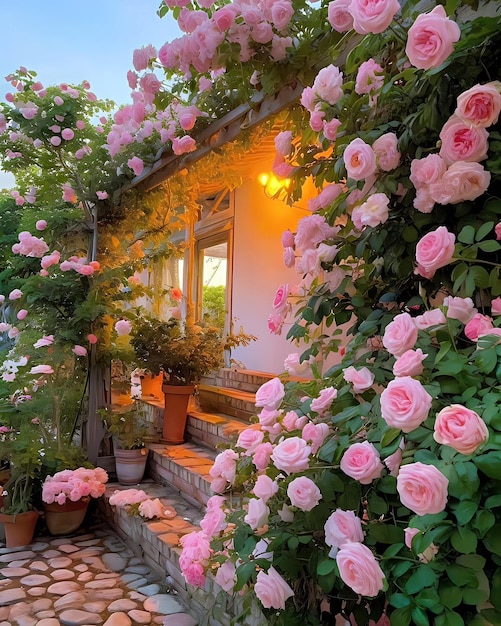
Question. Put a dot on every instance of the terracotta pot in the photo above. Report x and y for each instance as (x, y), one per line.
(130, 465)
(63, 519)
(175, 412)
(151, 386)
(19, 528)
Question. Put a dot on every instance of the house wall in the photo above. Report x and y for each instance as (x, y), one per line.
(258, 270)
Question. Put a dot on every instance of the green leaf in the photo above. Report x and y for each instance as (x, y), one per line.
(492, 539)
(483, 231)
(490, 464)
(419, 617)
(326, 567)
(489, 246)
(496, 589)
(465, 511)
(377, 505)
(399, 600)
(493, 501)
(244, 573)
(386, 533)
(464, 540)
(449, 618)
(484, 520)
(389, 436)
(461, 576)
(423, 577)
(450, 595)
(401, 617)
(467, 234)
(428, 598)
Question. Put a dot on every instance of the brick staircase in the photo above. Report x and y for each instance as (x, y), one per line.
(179, 476)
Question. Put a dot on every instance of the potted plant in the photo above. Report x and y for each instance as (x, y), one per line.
(66, 496)
(127, 428)
(183, 353)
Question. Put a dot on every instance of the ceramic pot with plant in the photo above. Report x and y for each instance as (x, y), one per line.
(183, 353)
(18, 513)
(127, 427)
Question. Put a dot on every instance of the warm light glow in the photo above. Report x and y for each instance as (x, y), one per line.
(272, 185)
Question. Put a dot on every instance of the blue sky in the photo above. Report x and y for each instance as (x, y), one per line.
(71, 41)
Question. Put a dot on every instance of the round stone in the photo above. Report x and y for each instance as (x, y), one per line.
(81, 567)
(37, 591)
(107, 583)
(123, 604)
(75, 598)
(162, 603)
(114, 562)
(35, 580)
(62, 574)
(85, 576)
(180, 619)
(140, 617)
(95, 607)
(48, 622)
(68, 548)
(39, 566)
(64, 587)
(15, 572)
(76, 617)
(149, 590)
(118, 619)
(63, 561)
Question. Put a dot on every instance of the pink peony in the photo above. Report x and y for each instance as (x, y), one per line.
(272, 590)
(361, 379)
(359, 159)
(400, 334)
(422, 488)
(303, 493)
(270, 394)
(431, 39)
(342, 527)
(325, 398)
(362, 462)
(462, 142)
(136, 165)
(291, 455)
(41, 225)
(480, 105)
(359, 569)
(373, 16)
(405, 404)
(410, 363)
(433, 251)
(460, 428)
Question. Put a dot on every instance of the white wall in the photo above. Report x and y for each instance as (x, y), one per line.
(258, 270)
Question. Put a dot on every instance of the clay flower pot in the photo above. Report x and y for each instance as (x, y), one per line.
(63, 519)
(177, 398)
(19, 528)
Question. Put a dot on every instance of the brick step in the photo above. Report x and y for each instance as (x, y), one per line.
(212, 429)
(233, 402)
(184, 467)
(243, 380)
(156, 542)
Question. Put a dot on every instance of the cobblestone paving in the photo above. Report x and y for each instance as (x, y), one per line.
(89, 578)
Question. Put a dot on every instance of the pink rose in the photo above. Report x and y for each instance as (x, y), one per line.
(226, 576)
(405, 404)
(281, 13)
(315, 434)
(359, 159)
(430, 551)
(362, 462)
(283, 143)
(461, 309)
(280, 299)
(496, 306)
(312, 230)
(372, 212)
(265, 488)
(373, 16)
(257, 513)
(400, 334)
(291, 421)
(272, 590)
(262, 455)
(367, 79)
(136, 165)
(184, 144)
(361, 379)
(330, 129)
(422, 488)
(287, 239)
(462, 142)
(21, 314)
(431, 39)
(123, 327)
(41, 225)
(249, 439)
(303, 493)
(410, 363)
(289, 257)
(342, 527)
(410, 533)
(460, 428)
(324, 400)
(270, 394)
(428, 170)
(497, 230)
(339, 16)
(275, 323)
(291, 455)
(386, 150)
(328, 84)
(15, 294)
(79, 350)
(428, 319)
(225, 466)
(478, 325)
(480, 105)
(326, 197)
(462, 181)
(433, 251)
(41, 369)
(295, 367)
(394, 461)
(359, 569)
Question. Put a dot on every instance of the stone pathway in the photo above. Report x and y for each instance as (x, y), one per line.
(86, 579)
